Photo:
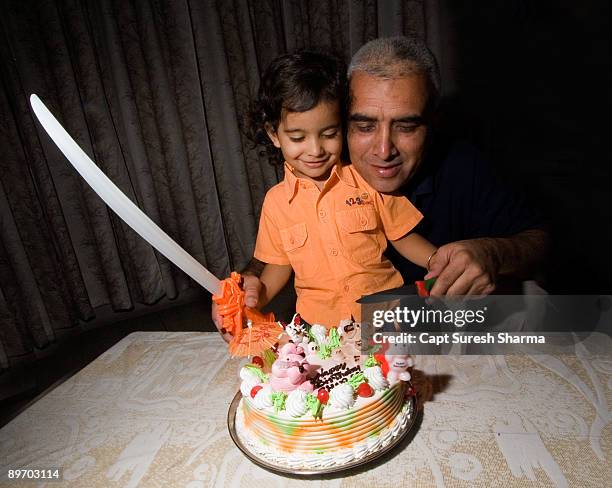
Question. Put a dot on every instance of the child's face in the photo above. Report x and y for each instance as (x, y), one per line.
(311, 141)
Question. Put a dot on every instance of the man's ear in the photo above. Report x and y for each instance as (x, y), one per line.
(272, 135)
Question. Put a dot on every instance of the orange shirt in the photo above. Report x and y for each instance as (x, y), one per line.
(334, 240)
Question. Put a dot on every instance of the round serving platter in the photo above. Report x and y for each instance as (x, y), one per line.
(280, 469)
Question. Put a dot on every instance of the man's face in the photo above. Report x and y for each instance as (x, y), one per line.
(386, 129)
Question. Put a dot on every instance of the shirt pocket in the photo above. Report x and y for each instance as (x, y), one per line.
(359, 233)
(300, 254)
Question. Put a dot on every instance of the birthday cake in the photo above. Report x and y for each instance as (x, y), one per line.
(314, 401)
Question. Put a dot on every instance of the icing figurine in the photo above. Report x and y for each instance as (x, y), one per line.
(398, 366)
(290, 370)
(351, 340)
(312, 348)
(296, 330)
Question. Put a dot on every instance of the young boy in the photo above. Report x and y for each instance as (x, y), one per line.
(323, 221)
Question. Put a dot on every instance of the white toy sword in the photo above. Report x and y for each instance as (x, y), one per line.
(227, 294)
(121, 204)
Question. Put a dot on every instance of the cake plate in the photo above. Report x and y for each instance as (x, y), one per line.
(305, 472)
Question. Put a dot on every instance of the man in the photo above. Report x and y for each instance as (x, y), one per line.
(482, 230)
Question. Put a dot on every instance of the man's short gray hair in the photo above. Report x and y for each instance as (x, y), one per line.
(397, 57)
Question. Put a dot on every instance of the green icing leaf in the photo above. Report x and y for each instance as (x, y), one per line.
(269, 357)
(324, 351)
(307, 329)
(356, 379)
(257, 372)
(278, 400)
(371, 362)
(334, 339)
(314, 405)
(311, 338)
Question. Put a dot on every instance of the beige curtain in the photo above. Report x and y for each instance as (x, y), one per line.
(155, 93)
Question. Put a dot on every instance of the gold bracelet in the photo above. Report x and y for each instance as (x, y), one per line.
(429, 258)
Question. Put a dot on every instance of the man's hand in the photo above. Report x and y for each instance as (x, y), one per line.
(464, 268)
(471, 267)
(252, 287)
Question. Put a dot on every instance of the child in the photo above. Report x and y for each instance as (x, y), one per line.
(323, 221)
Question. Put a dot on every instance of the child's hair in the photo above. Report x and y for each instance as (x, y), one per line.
(295, 83)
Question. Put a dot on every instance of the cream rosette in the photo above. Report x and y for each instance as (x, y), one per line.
(249, 380)
(376, 378)
(342, 396)
(296, 403)
(319, 332)
(263, 398)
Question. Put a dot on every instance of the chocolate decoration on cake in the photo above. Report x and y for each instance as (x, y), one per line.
(334, 376)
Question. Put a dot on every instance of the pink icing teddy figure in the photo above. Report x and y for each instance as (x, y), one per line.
(398, 367)
(290, 370)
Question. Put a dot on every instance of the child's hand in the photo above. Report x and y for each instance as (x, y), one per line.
(252, 288)
(218, 321)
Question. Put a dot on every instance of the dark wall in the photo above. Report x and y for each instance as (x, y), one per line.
(531, 88)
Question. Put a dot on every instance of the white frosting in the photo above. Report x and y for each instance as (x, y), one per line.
(263, 398)
(246, 386)
(319, 332)
(295, 405)
(342, 396)
(375, 378)
(310, 461)
(249, 380)
(247, 375)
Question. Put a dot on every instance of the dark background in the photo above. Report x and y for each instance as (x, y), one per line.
(525, 81)
(533, 90)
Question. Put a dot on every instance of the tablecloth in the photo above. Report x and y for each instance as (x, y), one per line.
(151, 411)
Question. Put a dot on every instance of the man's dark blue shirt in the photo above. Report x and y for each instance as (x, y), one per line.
(461, 198)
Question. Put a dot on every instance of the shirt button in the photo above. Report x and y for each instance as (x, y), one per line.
(363, 222)
(291, 240)
(334, 252)
(346, 288)
(322, 213)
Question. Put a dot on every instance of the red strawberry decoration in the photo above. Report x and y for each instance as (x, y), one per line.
(365, 390)
(258, 361)
(323, 396)
(410, 391)
(254, 390)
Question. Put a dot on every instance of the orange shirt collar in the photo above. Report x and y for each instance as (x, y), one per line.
(292, 182)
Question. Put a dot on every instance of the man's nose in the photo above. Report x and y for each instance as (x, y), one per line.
(383, 145)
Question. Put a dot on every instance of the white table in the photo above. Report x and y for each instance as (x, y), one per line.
(151, 412)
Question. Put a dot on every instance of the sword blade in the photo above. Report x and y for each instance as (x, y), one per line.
(121, 204)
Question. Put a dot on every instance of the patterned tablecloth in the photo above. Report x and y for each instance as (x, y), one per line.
(151, 412)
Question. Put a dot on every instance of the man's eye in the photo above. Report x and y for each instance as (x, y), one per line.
(407, 128)
(363, 127)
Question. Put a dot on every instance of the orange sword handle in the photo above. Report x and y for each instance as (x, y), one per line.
(252, 331)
